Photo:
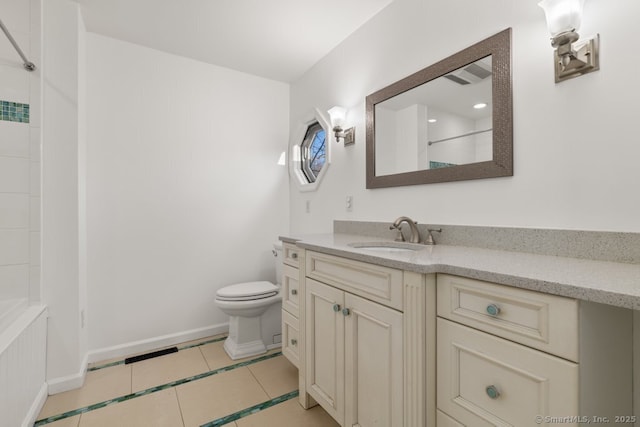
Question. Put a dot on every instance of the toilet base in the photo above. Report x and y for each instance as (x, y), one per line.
(244, 338)
(250, 336)
(248, 349)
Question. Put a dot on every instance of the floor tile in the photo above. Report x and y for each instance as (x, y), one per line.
(181, 345)
(158, 409)
(67, 422)
(222, 394)
(105, 362)
(288, 413)
(99, 386)
(215, 355)
(277, 376)
(201, 340)
(167, 368)
(217, 358)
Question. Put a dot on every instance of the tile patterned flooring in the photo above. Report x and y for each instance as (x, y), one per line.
(197, 386)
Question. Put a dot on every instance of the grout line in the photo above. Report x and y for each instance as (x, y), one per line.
(121, 362)
(106, 365)
(141, 393)
(206, 362)
(259, 383)
(251, 410)
(179, 406)
(203, 343)
(130, 379)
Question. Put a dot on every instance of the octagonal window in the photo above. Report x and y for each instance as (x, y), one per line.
(310, 151)
(313, 152)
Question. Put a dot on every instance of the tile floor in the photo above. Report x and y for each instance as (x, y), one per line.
(198, 385)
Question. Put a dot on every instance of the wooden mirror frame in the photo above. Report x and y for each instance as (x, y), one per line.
(499, 47)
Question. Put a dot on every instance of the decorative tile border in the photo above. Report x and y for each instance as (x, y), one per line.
(141, 393)
(121, 362)
(14, 112)
(252, 410)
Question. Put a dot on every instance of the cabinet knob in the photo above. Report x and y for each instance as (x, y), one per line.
(493, 309)
(294, 292)
(492, 392)
(294, 342)
(336, 307)
(294, 255)
(346, 311)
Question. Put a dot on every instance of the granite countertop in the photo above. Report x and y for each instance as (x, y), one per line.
(612, 283)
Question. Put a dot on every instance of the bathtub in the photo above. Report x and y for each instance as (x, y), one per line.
(10, 310)
(23, 346)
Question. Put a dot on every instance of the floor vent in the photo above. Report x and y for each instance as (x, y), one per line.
(151, 355)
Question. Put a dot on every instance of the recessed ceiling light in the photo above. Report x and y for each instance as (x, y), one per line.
(480, 105)
(432, 120)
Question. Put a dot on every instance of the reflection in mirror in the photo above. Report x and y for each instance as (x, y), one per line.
(451, 121)
(443, 123)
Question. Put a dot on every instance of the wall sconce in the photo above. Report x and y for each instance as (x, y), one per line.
(338, 116)
(563, 20)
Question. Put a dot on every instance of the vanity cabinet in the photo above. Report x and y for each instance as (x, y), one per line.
(290, 292)
(366, 346)
(509, 356)
(354, 357)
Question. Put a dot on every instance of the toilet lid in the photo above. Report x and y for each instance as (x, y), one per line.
(247, 291)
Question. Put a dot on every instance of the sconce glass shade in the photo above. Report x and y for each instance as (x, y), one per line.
(562, 15)
(338, 116)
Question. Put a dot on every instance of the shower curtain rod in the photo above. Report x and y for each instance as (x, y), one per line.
(460, 136)
(28, 65)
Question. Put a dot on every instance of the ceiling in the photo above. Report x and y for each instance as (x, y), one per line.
(276, 39)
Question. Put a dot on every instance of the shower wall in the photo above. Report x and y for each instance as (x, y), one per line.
(19, 161)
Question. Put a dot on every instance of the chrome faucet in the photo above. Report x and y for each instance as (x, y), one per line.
(415, 234)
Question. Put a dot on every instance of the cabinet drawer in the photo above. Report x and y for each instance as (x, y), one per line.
(546, 322)
(444, 420)
(290, 337)
(374, 282)
(290, 290)
(290, 253)
(486, 381)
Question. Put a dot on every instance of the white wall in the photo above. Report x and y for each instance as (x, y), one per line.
(20, 155)
(184, 195)
(62, 288)
(575, 143)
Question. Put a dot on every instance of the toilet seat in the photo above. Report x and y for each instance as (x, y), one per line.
(248, 291)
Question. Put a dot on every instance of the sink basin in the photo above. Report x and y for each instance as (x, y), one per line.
(388, 247)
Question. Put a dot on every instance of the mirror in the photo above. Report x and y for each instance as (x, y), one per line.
(451, 121)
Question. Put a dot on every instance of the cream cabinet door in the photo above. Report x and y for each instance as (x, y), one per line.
(373, 363)
(488, 381)
(325, 347)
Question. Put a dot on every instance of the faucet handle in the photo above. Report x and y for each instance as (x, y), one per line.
(399, 236)
(430, 240)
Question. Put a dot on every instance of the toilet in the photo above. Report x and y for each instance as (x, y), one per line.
(254, 310)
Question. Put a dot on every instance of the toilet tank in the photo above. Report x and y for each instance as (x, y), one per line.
(277, 256)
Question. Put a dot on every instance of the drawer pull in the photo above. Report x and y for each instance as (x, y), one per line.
(294, 342)
(492, 392)
(294, 292)
(336, 307)
(294, 255)
(493, 309)
(346, 311)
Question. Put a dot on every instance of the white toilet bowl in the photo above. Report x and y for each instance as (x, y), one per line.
(254, 310)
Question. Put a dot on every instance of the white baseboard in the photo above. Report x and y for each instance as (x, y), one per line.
(59, 385)
(36, 406)
(142, 346)
(70, 382)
